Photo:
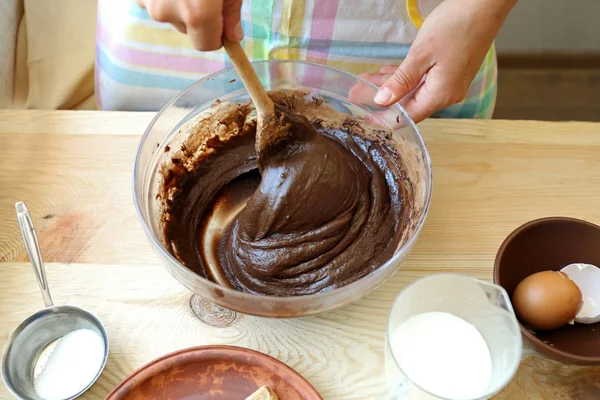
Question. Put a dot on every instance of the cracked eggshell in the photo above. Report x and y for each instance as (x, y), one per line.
(587, 278)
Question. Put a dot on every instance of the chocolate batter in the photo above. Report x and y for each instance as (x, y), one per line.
(326, 207)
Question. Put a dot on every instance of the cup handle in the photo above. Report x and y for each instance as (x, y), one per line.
(33, 250)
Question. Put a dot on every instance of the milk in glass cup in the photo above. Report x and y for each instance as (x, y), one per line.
(451, 337)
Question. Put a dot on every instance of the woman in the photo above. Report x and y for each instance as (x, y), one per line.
(434, 56)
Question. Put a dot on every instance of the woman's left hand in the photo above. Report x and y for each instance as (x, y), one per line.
(445, 57)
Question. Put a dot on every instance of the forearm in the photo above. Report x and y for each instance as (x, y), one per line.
(489, 14)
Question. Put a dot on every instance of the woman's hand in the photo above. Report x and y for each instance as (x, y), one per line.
(205, 21)
(445, 57)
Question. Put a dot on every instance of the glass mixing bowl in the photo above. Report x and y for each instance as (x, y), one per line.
(342, 91)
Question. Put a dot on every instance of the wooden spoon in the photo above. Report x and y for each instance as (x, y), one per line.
(265, 109)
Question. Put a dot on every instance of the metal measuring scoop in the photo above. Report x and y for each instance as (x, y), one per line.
(29, 348)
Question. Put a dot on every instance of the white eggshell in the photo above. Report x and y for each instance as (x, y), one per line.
(587, 278)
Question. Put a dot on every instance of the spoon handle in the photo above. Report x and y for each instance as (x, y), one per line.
(33, 250)
(239, 59)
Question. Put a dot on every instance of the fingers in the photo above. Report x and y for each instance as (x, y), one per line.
(377, 79)
(180, 26)
(161, 10)
(422, 101)
(204, 22)
(362, 92)
(404, 79)
(434, 94)
(422, 105)
(421, 89)
(164, 11)
(388, 69)
(232, 25)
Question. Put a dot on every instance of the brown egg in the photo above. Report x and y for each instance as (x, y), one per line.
(547, 300)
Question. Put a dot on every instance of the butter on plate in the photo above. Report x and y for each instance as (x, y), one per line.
(264, 393)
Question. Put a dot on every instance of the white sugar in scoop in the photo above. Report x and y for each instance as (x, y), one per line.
(68, 364)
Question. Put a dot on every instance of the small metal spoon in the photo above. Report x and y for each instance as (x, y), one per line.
(34, 335)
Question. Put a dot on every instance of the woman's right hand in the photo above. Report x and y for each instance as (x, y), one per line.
(206, 22)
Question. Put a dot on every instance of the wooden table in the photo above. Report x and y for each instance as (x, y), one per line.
(74, 170)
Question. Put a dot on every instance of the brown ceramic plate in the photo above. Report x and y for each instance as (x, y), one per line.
(213, 372)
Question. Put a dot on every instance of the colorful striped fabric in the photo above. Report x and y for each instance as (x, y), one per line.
(141, 64)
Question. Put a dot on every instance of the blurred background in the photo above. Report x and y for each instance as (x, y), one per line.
(549, 61)
(548, 55)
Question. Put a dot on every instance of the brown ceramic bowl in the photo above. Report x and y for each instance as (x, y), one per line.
(551, 244)
(213, 372)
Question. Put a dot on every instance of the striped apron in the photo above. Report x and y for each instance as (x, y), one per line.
(141, 64)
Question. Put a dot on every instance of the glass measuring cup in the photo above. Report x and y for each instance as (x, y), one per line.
(484, 306)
